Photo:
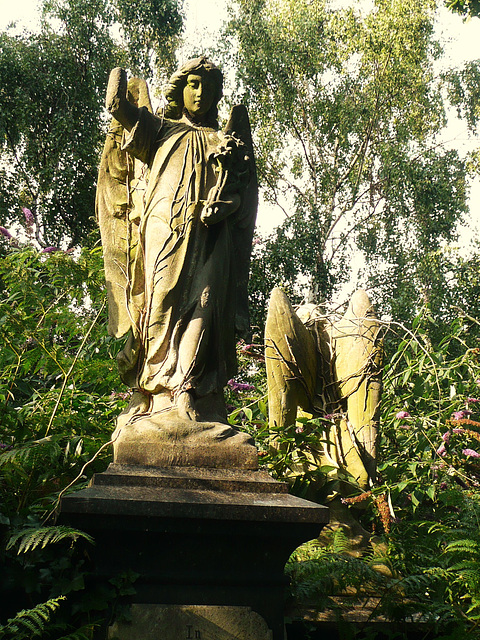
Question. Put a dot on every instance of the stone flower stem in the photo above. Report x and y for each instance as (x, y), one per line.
(221, 182)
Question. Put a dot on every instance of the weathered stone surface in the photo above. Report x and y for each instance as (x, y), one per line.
(176, 204)
(235, 480)
(205, 494)
(212, 537)
(193, 444)
(330, 368)
(192, 622)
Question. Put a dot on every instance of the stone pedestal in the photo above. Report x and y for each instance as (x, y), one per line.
(197, 537)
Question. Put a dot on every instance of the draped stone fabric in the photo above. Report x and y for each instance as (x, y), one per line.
(184, 270)
(176, 202)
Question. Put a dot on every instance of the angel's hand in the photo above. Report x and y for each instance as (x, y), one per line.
(116, 101)
(116, 89)
(218, 210)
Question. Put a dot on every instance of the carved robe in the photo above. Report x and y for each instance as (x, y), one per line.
(184, 272)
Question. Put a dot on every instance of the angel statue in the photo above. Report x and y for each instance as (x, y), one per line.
(176, 203)
(332, 370)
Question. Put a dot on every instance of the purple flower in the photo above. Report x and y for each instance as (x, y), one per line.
(446, 437)
(458, 430)
(299, 429)
(6, 233)
(402, 414)
(443, 485)
(473, 400)
(441, 451)
(50, 250)
(240, 386)
(471, 453)
(29, 219)
(459, 415)
(124, 395)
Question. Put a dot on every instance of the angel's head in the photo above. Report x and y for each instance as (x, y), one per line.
(196, 88)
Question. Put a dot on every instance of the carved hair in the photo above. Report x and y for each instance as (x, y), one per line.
(178, 81)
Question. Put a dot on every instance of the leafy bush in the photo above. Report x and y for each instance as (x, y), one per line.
(423, 511)
(58, 395)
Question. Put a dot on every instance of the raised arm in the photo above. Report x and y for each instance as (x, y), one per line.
(116, 101)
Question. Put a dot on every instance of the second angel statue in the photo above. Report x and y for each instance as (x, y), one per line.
(176, 203)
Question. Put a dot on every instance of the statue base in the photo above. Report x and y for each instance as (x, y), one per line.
(190, 622)
(166, 440)
(216, 539)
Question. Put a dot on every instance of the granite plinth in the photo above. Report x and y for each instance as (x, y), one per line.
(200, 494)
(211, 537)
(229, 480)
(191, 622)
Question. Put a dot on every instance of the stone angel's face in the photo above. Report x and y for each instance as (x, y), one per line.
(198, 95)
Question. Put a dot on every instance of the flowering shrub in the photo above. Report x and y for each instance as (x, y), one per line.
(429, 471)
(57, 373)
(424, 508)
(59, 396)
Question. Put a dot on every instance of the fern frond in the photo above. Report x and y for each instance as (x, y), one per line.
(19, 455)
(468, 546)
(30, 539)
(29, 623)
(341, 542)
(468, 572)
(27, 453)
(438, 572)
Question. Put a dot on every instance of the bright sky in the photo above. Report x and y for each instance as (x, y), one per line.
(461, 43)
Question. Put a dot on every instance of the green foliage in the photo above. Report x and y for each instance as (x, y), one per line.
(30, 539)
(466, 8)
(30, 623)
(85, 633)
(319, 572)
(58, 398)
(151, 28)
(425, 506)
(58, 377)
(50, 131)
(53, 318)
(346, 141)
(463, 90)
(51, 106)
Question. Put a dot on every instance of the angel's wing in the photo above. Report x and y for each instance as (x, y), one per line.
(239, 127)
(357, 347)
(291, 362)
(119, 201)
